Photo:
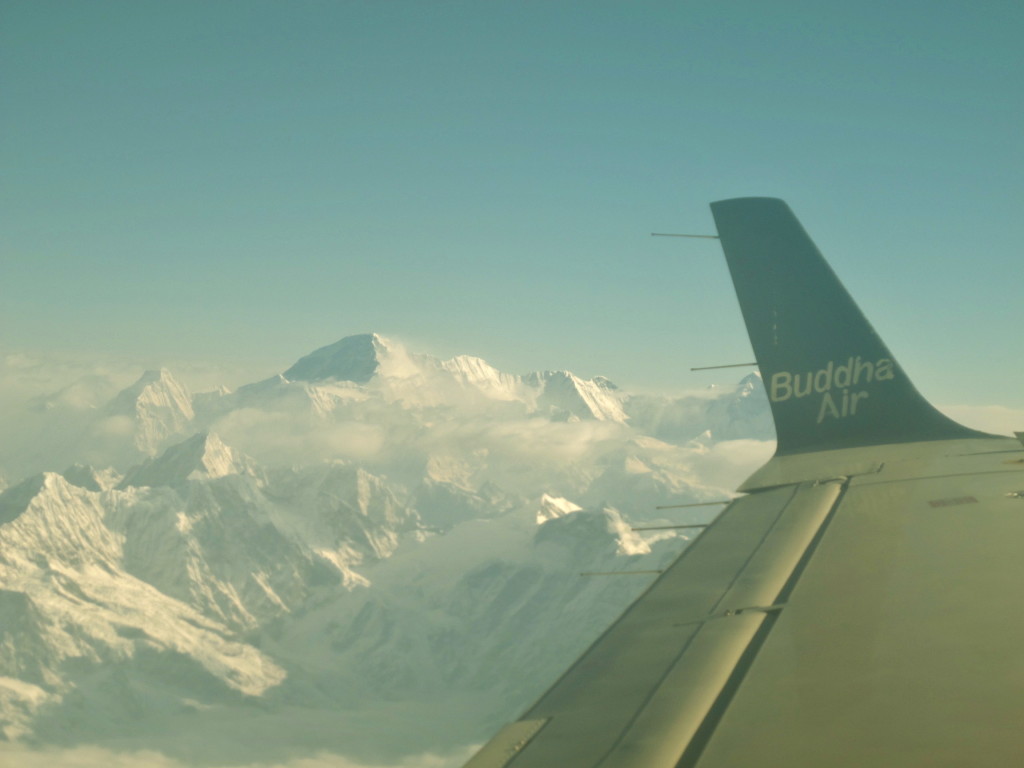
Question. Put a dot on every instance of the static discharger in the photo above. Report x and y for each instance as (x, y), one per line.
(671, 234)
(695, 504)
(728, 612)
(620, 573)
(702, 237)
(667, 527)
(730, 365)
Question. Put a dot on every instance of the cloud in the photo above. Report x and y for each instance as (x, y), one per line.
(730, 462)
(81, 757)
(296, 437)
(536, 439)
(988, 418)
(50, 408)
(100, 757)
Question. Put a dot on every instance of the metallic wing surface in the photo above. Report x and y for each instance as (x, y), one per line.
(858, 605)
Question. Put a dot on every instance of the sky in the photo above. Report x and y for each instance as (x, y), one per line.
(238, 183)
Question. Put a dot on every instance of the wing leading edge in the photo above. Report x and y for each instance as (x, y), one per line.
(817, 621)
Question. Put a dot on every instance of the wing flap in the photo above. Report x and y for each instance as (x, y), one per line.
(645, 687)
(684, 700)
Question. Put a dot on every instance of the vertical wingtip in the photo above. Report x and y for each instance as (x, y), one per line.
(831, 380)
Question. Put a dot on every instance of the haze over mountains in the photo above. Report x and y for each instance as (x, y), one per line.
(374, 554)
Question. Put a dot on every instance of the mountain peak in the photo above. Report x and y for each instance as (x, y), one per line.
(202, 455)
(354, 358)
(583, 398)
(749, 384)
(154, 389)
(148, 377)
(158, 404)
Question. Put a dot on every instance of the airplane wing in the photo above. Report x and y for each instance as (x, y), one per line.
(859, 605)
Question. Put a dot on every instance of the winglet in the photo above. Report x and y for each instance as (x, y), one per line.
(831, 381)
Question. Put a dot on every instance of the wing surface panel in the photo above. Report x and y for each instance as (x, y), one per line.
(901, 643)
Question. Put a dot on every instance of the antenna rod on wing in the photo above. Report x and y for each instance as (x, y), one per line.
(730, 365)
(671, 234)
(697, 504)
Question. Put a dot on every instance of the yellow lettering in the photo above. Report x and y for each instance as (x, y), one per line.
(884, 370)
(867, 368)
(782, 386)
(828, 406)
(857, 397)
(843, 374)
(799, 391)
(823, 378)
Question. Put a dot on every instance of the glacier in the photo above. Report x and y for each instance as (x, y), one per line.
(373, 555)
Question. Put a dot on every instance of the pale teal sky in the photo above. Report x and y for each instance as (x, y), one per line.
(235, 181)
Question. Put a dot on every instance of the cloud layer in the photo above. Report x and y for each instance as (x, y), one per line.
(98, 757)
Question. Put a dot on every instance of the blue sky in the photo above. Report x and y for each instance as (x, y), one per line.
(247, 181)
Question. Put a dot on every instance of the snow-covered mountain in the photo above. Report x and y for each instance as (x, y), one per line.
(372, 554)
(74, 607)
(741, 412)
(157, 407)
(370, 366)
(355, 358)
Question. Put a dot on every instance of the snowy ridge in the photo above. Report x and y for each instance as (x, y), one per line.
(371, 366)
(552, 507)
(566, 394)
(374, 536)
(354, 358)
(70, 601)
(87, 392)
(159, 407)
(734, 413)
(202, 455)
(474, 373)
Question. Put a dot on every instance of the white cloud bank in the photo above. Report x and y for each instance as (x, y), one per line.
(988, 418)
(19, 756)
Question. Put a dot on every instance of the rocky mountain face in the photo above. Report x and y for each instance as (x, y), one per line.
(374, 554)
(157, 407)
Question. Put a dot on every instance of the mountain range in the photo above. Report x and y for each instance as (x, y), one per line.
(372, 554)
